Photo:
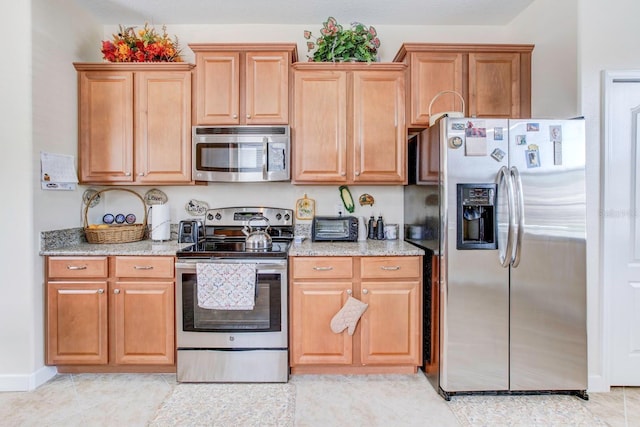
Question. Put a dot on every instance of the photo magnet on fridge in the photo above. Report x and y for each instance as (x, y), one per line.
(532, 156)
(498, 134)
(498, 154)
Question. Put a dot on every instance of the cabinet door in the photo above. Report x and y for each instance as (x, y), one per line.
(379, 132)
(163, 127)
(428, 157)
(105, 126)
(77, 323)
(218, 87)
(431, 73)
(267, 88)
(143, 322)
(494, 84)
(390, 331)
(313, 305)
(320, 126)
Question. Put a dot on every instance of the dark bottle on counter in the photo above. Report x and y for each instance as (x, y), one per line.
(371, 230)
(380, 229)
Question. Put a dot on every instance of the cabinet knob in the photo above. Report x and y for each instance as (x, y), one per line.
(127, 174)
(343, 174)
(101, 291)
(357, 173)
(116, 291)
(235, 116)
(141, 174)
(365, 291)
(349, 291)
(248, 116)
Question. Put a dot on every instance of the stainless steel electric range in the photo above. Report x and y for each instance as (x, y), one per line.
(235, 345)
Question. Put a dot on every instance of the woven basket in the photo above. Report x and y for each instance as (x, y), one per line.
(117, 233)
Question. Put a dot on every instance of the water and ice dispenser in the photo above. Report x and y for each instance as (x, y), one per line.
(476, 216)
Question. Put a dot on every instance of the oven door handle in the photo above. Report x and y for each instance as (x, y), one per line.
(261, 268)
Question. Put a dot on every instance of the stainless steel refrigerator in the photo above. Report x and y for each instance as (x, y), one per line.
(512, 289)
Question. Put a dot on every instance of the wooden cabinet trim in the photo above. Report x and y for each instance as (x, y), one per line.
(406, 48)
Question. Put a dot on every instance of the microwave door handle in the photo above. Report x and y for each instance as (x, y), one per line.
(265, 157)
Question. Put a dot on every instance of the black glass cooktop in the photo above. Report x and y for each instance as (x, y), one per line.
(217, 249)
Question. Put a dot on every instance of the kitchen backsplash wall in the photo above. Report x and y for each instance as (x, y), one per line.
(387, 199)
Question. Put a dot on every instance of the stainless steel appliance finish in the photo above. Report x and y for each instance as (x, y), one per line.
(190, 231)
(241, 153)
(235, 345)
(513, 319)
(334, 229)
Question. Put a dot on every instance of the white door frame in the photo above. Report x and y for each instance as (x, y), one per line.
(608, 79)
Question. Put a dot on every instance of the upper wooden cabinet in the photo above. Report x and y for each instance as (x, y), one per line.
(494, 80)
(349, 123)
(134, 123)
(242, 83)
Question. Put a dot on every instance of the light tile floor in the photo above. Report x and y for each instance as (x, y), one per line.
(321, 400)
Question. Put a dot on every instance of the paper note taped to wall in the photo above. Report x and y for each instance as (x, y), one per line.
(58, 171)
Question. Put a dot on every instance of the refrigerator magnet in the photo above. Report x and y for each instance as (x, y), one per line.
(498, 155)
(498, 135)
(455, 142)
(555, 133)
(521, 139)
(533, 127)
(532, 156)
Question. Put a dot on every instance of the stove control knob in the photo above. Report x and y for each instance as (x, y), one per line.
(278, 216)
(210, 217)
(218, 216)
(287, 217)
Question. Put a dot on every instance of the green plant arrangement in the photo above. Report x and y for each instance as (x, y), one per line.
(336, 44)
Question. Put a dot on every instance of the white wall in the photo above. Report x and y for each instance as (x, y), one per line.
(607, 40)
(17, 305)
(62, 34)
(38, 110)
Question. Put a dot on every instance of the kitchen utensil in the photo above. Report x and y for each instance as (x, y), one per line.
(257, 239)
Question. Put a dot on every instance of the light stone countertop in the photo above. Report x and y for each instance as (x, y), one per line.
(365, 248)
(142, 247)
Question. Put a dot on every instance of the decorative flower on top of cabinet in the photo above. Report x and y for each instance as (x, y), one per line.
(145, 45)
(358, 43)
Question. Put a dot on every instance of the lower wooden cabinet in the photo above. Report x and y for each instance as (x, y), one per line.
(388, 335)
(110, 313)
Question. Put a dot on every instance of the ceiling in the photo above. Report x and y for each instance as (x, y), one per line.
(369, 12)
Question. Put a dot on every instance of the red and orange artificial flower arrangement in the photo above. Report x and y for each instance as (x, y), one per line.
(145, 45)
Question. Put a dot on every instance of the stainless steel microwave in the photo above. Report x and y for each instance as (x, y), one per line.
(241, 153)
(334, 229)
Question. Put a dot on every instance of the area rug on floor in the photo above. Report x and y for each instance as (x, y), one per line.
(228, 405)
(539, 410)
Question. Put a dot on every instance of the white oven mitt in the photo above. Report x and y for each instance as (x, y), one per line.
(348, 316)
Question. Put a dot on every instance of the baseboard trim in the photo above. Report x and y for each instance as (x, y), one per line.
(598, 384)
(27, 382)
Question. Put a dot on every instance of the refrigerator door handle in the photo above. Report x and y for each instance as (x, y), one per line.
(519, 208)
(504, 179)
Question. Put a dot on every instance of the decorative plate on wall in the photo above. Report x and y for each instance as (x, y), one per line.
(155, 197)
(88, 194)
(196, 207)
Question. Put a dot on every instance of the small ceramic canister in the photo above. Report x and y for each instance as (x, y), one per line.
(391, 231)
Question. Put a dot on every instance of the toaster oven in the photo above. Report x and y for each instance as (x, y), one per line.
(334, 229)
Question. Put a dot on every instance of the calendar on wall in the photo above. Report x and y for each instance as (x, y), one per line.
(57, 171)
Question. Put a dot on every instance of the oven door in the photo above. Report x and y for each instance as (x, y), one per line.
(265, 326)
